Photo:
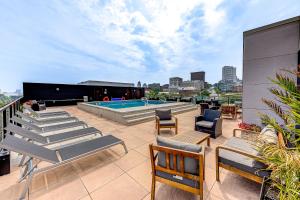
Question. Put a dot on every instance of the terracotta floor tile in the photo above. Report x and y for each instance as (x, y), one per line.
(100, 176)
(130, 160)
(124, 188)
(234, 187)
(144, 149)
(142, 174)
(68, 191)
(86, 198)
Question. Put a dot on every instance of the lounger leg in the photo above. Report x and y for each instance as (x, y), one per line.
(22, 161)
(125, 148)
(153, 188)
(27, 173)
(27, 185)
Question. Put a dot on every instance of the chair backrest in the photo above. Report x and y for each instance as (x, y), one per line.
(164, 114)
(25, 133)
(175, 165)
(211, 115)
(25, 123)
(21, 146)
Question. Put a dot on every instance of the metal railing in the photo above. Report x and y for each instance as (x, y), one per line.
(6, 112)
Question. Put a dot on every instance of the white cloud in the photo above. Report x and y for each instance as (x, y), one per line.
(159, 22)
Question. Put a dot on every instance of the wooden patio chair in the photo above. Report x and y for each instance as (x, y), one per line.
(164, 119)
(180, 165)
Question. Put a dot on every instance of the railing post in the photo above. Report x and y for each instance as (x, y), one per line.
(1, 126)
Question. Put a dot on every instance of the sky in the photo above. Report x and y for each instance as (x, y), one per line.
(69, 41)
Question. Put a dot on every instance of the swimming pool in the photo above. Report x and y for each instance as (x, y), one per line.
(126, 103)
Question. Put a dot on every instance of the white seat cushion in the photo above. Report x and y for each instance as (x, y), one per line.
(205, 124)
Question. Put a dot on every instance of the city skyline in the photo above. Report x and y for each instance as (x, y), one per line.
(69, 42)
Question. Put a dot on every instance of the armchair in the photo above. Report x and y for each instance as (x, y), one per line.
(177, 164)
(210, 122)
(164, 119)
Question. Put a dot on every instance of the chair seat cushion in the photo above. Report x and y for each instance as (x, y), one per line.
(239, 161)
(167, 123)
(205, 124)
(185, 181)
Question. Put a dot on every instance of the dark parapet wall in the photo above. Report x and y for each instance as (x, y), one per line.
(70, 94)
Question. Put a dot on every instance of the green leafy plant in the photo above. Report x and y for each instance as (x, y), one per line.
(284, 162)
(205, 93)
(4, 100)
(152, 94)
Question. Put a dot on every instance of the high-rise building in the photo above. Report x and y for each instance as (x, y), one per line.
(145, 85)
(175, 82)
(154, 86)
(229, 74)
(198, 76)
(139, 84)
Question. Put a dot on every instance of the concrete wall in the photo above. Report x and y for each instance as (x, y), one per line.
(266, 51)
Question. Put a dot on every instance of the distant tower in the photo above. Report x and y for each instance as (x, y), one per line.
(229, 74)
(198, 76)
(145, 85)
(139, 84)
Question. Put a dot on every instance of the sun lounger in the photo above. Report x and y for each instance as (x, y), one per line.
(57, 157)
(48, 128)
(51, 139)
(45, 120)
(48, 114)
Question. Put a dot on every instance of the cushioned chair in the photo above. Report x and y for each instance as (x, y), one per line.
(210, 122)
(179, 165)
(241, 156)
(164, 119)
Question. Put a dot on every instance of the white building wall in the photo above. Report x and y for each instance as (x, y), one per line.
(266, 51)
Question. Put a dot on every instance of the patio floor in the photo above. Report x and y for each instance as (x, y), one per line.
(112, 174)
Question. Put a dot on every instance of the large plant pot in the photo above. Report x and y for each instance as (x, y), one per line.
(267, 191)
(4, 162)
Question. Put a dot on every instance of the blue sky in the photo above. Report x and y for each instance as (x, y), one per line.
(127, 40)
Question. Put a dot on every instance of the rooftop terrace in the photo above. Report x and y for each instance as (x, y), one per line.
(112, 174)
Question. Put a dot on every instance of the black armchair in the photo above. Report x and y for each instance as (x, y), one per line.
(210, 122)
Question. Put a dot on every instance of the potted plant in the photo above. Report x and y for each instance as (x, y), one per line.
(283, 159)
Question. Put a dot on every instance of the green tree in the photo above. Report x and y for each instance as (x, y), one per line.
(205, 93)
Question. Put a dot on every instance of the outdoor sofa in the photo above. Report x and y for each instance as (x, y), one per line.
(241, 155)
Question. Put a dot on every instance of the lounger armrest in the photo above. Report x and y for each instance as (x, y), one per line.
(258, 158)
(243, 130)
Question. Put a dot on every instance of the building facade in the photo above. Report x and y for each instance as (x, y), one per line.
(266, 51)
(175, 82)
(229, 74)
(154, 86)
(198, 76)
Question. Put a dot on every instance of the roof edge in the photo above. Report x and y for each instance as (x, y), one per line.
(273, 25)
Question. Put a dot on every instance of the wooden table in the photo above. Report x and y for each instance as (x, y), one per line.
(193, 137)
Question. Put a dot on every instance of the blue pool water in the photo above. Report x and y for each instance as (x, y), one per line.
(126, 104)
